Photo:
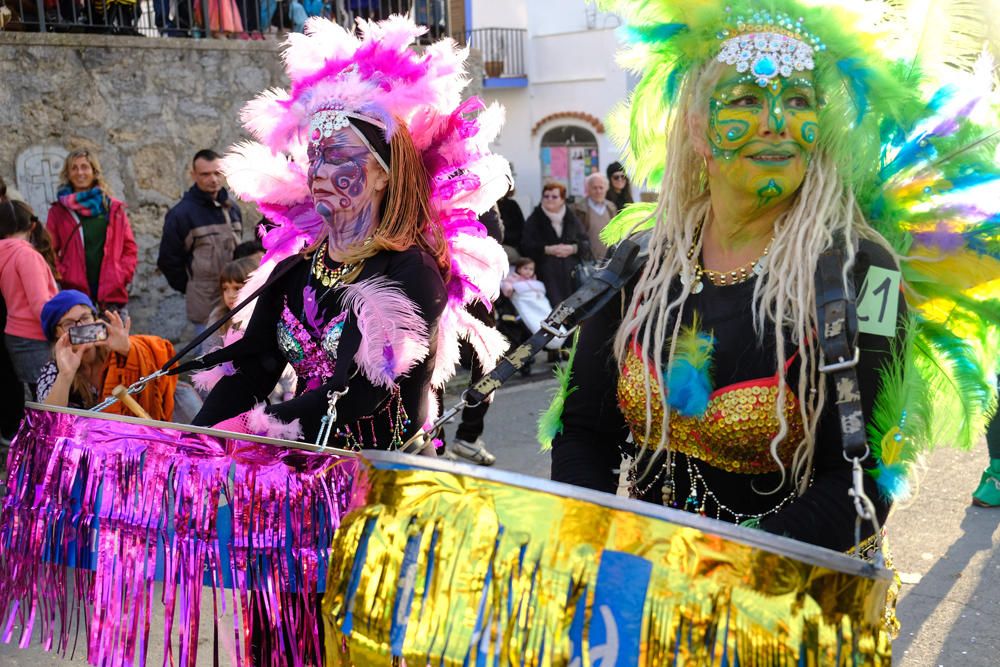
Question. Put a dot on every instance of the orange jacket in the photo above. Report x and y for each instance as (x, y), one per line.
(146, 355)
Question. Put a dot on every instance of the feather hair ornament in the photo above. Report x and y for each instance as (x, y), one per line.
(909, 116)
(689, 378)
(375, 73)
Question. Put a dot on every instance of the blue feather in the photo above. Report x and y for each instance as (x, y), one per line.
(910, 153)
(892, 481)
(943, 95)
(857, 75)
(688, 389)
(660, 32)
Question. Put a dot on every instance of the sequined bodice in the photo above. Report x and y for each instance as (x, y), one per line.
(313, 354)
(735, 432)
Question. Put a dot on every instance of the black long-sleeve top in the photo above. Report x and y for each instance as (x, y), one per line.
(258, 359)
(589, 449)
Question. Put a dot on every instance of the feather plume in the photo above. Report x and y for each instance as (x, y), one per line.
(487, 343)
(689, 381)
(204, 381)
(253, 171)
(448, 354)
(550, 422)
(393, 332)
(259, 422)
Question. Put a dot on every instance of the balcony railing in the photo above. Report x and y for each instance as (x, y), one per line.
(502, 49)
(242, 19)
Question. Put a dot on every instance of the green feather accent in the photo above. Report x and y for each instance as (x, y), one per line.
(633, 218)
(550, 422)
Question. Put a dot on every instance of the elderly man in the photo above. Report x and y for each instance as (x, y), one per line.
(594, 212)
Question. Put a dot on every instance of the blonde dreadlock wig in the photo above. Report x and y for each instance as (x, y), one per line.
(893, 150)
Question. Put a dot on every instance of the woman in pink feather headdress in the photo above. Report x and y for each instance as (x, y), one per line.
(374, 172)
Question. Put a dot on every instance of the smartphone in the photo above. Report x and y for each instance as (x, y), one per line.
(88, 333)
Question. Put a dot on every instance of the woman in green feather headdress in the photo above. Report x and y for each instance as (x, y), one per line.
(777, 132)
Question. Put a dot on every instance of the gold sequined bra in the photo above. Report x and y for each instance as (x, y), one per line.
(735, 432)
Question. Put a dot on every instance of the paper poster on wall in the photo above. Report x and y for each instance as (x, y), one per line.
(559, 162)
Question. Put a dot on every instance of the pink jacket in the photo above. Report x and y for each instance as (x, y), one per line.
(120, 253)
(26, 283)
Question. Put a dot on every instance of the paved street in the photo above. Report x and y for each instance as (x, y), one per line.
(947, 552)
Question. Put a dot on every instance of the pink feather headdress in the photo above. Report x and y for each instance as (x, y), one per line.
(376, 75)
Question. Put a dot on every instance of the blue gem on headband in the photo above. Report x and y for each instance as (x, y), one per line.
(768, 46)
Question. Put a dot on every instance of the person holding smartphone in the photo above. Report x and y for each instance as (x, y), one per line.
(93, 355)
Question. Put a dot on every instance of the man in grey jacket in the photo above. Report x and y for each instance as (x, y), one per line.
(199, 236)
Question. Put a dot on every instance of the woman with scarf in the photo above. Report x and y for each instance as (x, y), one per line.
(95, 249)
(556, 240)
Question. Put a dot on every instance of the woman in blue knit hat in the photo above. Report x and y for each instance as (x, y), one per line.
(82, 375)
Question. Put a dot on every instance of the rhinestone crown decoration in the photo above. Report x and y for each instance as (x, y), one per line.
(768, 46)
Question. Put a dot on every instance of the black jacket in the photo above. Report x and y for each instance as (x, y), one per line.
(555, 272)
(199, 236)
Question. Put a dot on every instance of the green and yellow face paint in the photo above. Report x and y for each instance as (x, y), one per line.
(761, 138)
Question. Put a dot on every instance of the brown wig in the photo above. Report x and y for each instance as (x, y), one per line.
(95, 164)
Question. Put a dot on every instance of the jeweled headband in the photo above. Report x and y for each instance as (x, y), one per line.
(325, 122)
(768, 46)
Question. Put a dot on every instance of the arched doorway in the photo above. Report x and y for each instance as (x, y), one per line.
(569, 154)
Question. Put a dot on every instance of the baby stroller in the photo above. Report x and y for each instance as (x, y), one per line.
(510, 324)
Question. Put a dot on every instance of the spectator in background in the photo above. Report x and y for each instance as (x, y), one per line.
(594, 212)
(554, 238)
(232, 279)
(468, 443)
(512, 218)
(297, 14)
(172, 24)
(80, 376)
(223, 18)
(199, 236)
(11, 393)
(252, 248)
(619, 187)
(27, 283)
(95, 249)
(250, 14)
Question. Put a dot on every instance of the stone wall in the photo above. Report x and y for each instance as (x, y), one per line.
(145, 105)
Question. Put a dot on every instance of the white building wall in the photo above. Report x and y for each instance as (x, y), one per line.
(570, 57)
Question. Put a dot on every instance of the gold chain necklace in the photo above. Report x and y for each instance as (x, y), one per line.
(325, 275)
(738, 275)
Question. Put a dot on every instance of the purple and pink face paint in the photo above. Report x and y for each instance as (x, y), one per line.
(341, 188)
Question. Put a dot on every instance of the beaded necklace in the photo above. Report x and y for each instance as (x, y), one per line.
(326, 276)
(741, 274)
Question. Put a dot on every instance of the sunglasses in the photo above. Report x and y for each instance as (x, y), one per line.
(551, 196)
(616, 177)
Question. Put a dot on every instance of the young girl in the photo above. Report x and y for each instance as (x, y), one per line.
(27, 283)
(234, 275)
(527, 293)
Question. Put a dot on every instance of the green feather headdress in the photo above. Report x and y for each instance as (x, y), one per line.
(864, 73)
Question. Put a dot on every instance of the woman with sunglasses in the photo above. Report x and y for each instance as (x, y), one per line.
(619, 187)
(556, 240)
